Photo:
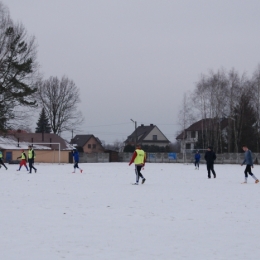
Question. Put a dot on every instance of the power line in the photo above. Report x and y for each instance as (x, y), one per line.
(109, 125)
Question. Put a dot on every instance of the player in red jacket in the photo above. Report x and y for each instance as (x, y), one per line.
(23, 161)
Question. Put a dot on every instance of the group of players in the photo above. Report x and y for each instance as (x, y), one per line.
(23, 162)
(31, 156)
(139, 159)
(210, 157)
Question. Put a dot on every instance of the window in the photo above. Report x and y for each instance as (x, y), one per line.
(193, 134)
(94, 146)
(188, 146)
(154, 137)
(89, 146)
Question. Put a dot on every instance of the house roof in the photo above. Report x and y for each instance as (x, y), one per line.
(204, 124)
(33, 138)
(11, 143)
(141, 132)
(81, 140)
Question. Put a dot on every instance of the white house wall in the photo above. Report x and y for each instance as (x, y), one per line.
(156, 131)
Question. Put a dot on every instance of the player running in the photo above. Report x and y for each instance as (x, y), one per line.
(75, 155)
(23, 161)
(249, 164)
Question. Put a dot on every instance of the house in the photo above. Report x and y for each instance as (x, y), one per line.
(53, 141)
(191, 135)
(50, 149)
(147, 135)
(88, 143)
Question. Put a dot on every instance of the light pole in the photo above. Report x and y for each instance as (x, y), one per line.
(135, 131)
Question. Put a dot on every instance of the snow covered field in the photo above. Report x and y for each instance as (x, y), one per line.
(177, 214)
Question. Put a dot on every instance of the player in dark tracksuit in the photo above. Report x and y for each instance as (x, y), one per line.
(75, 155)
(210, 157)
(197, 160)
(249, 163)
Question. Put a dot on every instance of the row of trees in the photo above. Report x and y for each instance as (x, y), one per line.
(232, 101)
(23, 89)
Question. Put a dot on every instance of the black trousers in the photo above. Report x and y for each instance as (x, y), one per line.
(197, 162)
(1, 162)
(76, 165)
(210, 168)
(248, 170)
(31, 162)
(138, 172)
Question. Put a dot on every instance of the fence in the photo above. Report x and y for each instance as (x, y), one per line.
(94, 157)
(231, 158)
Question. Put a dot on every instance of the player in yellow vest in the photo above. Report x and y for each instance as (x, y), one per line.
(138, 159)
(1, 160)
(23, 160)
(31, 156)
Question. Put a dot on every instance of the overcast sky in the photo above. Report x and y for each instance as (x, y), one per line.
(136, 59)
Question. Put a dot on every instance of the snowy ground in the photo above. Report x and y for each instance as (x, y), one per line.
(177, 214)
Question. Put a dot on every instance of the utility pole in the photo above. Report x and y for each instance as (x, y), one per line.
(135, 131)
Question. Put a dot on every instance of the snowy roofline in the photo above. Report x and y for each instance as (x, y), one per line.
(11, 143)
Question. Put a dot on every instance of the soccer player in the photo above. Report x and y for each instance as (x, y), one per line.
(197, 160)
(138, 158)
(75, 154)
(31, 156)
(210, 157)
(249, 164)
(1, 160)
(23, 160)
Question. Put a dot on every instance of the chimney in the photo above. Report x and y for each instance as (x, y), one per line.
(151, 124)
(142, 125)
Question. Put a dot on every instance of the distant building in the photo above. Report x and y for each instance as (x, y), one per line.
(51, 149)
(198, 130)
(46, 139)
(87, 144)
(147, 135)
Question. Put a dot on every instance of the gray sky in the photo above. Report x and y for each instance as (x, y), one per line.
(136, 59)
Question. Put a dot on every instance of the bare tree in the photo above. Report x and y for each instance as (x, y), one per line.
(59, 98)
(235, 90)
(210, 99)
(116, 146)
(229, 108)
(256, 88)
(186, 117)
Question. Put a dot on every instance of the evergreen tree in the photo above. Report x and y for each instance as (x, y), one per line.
(43, 125)
(18, 70)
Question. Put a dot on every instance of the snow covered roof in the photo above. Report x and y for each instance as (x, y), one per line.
(11, 142)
